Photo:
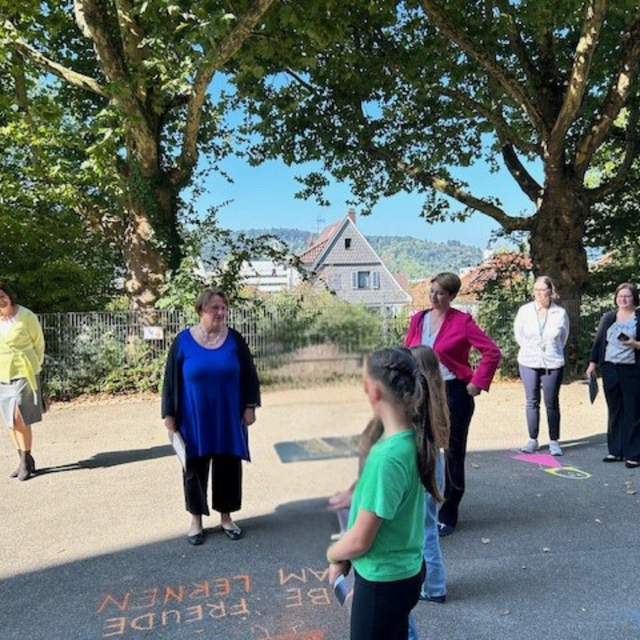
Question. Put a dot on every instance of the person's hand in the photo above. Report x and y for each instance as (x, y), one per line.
(170, 424)
(249, 416)
(630, 343)
(591, 370)
(473, 389)
(337, 569)
(340, 500)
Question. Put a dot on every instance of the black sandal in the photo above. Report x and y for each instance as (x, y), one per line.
(632, 464)
(611, 458)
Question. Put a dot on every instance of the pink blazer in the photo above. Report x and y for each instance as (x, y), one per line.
(457, 335)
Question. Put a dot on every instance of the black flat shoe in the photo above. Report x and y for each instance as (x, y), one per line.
(632, 464)
(233, 534)
(196, 539)
(611, 458)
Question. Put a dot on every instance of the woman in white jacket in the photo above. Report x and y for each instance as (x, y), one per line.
(541, 329)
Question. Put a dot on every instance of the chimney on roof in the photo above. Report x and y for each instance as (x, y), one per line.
(352, 215)
(311, 239)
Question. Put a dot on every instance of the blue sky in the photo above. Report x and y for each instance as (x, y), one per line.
(263, 197)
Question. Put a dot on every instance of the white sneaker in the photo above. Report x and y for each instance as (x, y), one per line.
(531, 446)
(554, 448)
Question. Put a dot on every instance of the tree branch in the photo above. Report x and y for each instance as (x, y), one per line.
(515, 38)
(494, 117)
(93, 21)
(68, 75)
(532, 189)
(483, 57)
(131, 35)
(594, 15)
(616, 97)
(224, 52)
(631, 153)
(428, 179)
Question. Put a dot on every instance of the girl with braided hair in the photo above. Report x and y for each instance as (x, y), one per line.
(386, 524)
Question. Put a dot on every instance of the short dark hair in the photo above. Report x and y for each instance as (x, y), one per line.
(9, 291)
(205, 296)
(631, 287)
(449, 282)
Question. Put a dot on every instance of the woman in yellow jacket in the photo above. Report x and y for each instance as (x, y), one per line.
(21, 357)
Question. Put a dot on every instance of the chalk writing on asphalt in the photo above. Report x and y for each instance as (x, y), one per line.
(205, 602)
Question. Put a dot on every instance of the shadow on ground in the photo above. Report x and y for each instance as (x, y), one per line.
(535, 555)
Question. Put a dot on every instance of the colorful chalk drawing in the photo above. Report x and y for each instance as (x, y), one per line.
(552, 465)
(199, 604)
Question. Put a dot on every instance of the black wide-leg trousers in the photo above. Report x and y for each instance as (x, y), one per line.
(226, 484)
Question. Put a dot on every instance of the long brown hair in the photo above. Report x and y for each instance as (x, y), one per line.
(437, 422)
(399, 372)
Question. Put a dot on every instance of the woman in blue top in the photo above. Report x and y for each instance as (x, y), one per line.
(210, 394)
(384, 539)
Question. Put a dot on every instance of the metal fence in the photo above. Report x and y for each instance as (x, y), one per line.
(113, 351)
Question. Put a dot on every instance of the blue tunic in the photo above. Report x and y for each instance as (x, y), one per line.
(210, 419)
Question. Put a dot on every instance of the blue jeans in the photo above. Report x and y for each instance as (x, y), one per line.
(435, 582)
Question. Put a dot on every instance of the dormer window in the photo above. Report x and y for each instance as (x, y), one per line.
(347, 243)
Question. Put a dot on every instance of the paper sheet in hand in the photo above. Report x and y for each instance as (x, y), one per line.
(179, 447)
(593, 388)
(340, 590)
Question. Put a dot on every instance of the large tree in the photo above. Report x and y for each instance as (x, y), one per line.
(393, 96)
(132, 81)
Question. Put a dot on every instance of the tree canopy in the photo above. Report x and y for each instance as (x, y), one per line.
(110, 103)
(392, 96)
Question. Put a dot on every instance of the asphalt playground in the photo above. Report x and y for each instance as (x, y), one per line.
(93, 547)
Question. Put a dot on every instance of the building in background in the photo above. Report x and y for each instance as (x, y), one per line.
(267, 276)
(341, 260)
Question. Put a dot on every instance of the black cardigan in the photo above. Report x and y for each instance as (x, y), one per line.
(249, 383)
(600, 343)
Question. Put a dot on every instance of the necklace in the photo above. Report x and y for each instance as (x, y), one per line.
(207, 340)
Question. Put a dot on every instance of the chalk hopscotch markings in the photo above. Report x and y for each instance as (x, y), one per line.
(552, 465)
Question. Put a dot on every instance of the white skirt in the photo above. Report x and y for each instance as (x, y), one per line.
(18, 393)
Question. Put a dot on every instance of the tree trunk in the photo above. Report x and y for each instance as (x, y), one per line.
(558, 251)
(145, 264)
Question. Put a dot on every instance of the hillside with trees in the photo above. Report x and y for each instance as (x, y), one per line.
(414, 257)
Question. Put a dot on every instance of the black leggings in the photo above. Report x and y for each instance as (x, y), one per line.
(226, 481)
(380, 610)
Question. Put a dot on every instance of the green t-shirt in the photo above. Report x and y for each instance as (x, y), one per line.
(390, 487)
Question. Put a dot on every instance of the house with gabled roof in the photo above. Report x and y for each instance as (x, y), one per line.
(341, 260)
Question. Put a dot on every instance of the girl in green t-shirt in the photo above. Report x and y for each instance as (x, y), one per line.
(385, 535)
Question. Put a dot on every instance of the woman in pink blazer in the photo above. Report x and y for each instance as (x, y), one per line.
(451, 334)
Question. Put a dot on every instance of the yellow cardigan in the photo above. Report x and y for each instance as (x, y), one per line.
(22, 349)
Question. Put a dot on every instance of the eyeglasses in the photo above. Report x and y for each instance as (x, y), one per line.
(538, 290)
